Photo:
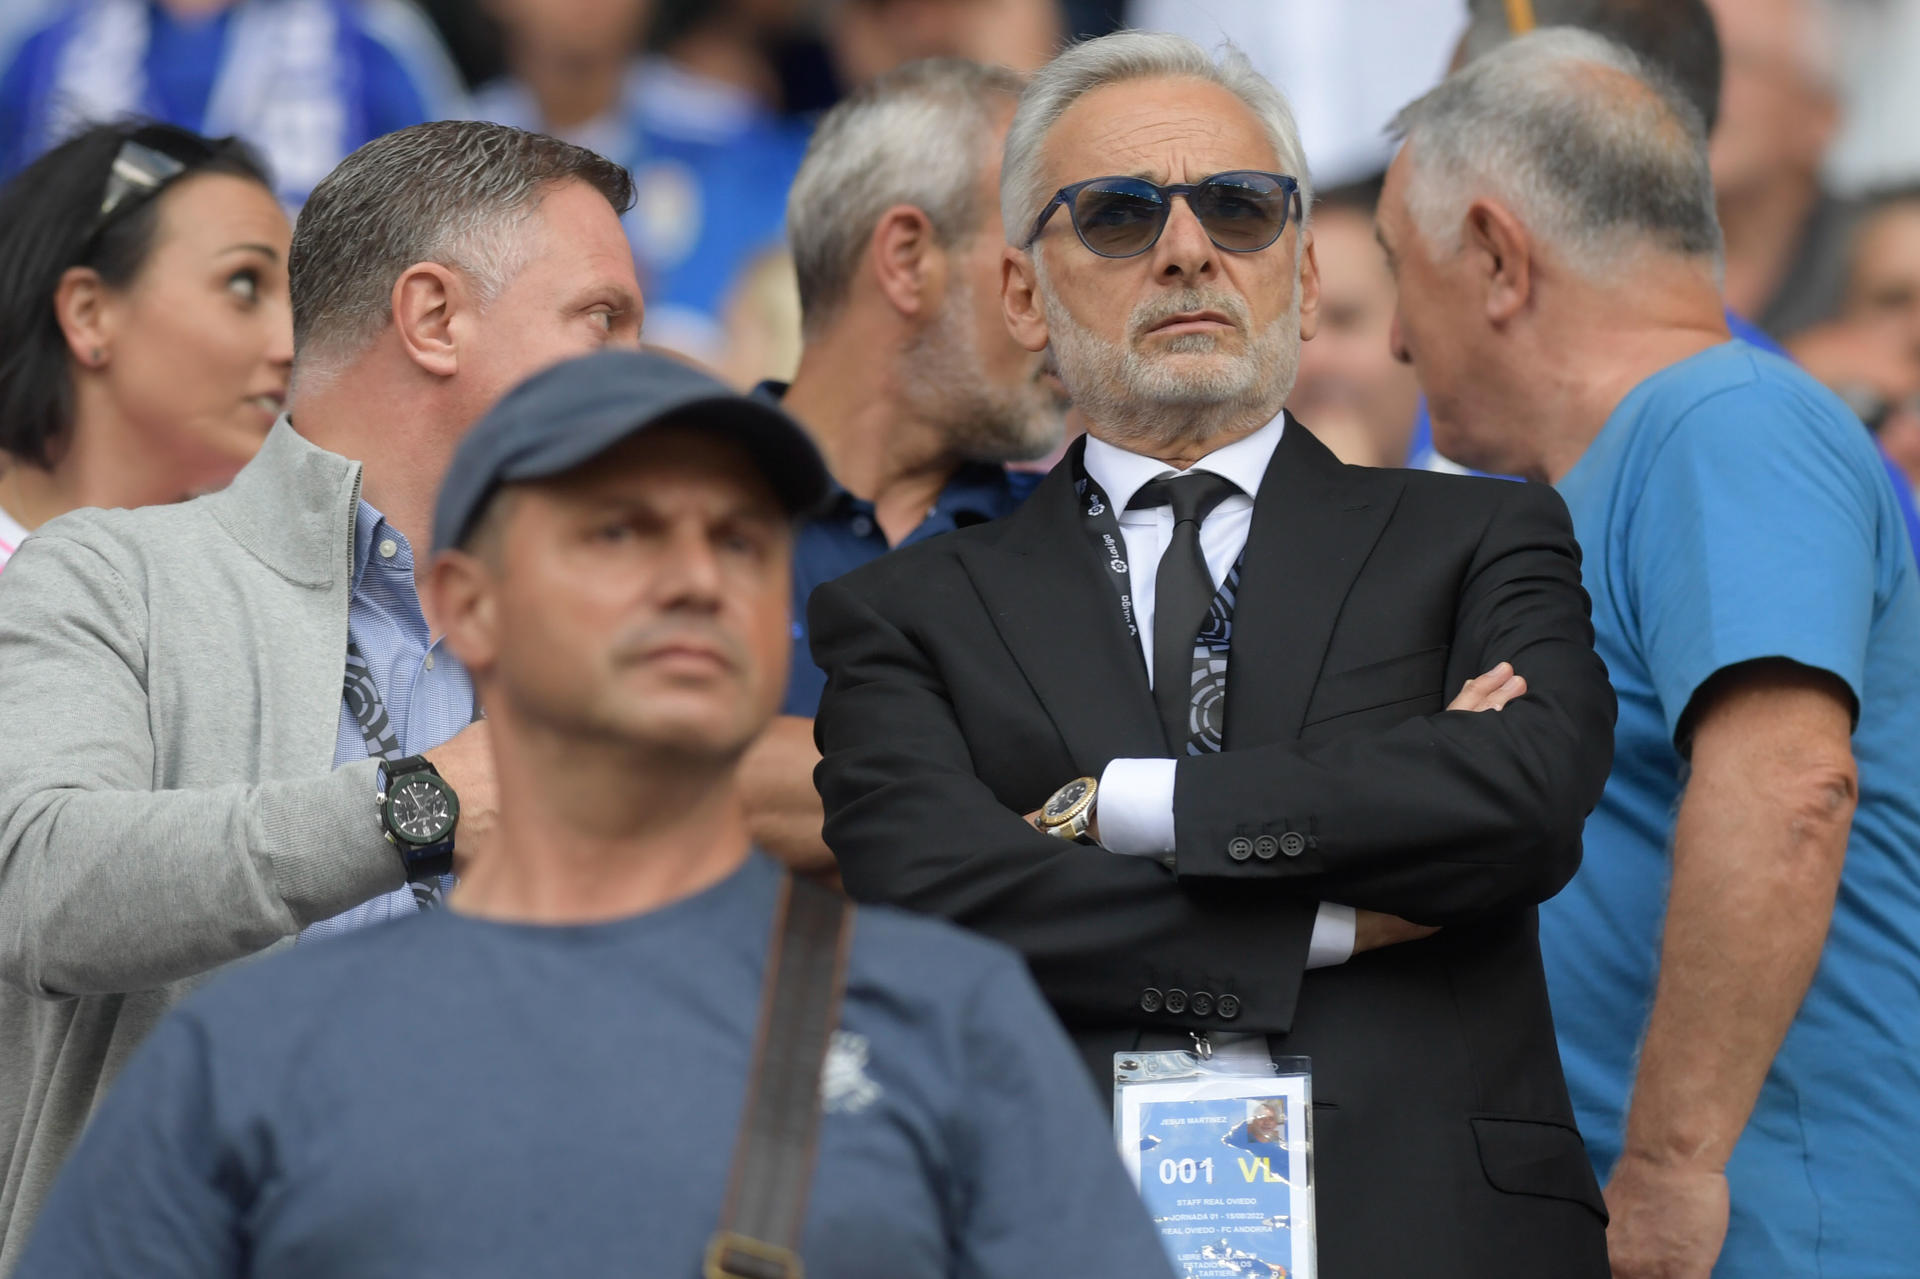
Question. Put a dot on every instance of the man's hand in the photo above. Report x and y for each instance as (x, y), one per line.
(1669, 1220)
(1491, 691)
(783, 808)
(466, 762)
(1372, 930)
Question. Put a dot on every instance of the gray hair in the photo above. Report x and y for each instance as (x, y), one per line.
(454, 192)
(1595, 167)
(920, 135)
(1115, 59)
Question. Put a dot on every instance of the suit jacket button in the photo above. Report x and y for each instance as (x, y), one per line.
(1151, 1000)
(1201, 1002)
(1228, 1006)
(1176, 1000)
(1239, 848)
(1265, 847)
(1293, 843)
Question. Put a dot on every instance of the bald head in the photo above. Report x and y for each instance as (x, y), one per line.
(1593, 151)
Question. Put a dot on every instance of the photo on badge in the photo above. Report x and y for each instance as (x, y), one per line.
(1221, 1155)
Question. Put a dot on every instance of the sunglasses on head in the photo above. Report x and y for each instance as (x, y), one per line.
(139, 172)
(1242, 211)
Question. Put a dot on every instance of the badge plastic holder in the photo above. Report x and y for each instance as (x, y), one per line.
(1222, 1152)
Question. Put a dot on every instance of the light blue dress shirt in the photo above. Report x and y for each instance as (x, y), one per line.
(427, 692)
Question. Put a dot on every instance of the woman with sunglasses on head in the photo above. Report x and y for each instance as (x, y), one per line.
(145, 331)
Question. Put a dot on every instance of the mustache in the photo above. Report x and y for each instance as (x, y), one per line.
(1157, 310)
(642, 642)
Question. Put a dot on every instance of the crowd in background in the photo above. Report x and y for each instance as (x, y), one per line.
(711, 105)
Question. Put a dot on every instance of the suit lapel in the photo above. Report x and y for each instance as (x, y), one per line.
(1057, 612)
(1314, 524)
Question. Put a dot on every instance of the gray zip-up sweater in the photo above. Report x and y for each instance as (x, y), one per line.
(170, 684)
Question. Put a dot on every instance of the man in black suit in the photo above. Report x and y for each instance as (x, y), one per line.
(1224, 658)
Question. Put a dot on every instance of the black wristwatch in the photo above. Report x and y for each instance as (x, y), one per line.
(418, 811)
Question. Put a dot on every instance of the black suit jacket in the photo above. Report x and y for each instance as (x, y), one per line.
(971, 675)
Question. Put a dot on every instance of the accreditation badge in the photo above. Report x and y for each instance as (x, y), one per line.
(1222, 1153)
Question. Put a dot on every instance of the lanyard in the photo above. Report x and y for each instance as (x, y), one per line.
(1102, 529)
(369, 708)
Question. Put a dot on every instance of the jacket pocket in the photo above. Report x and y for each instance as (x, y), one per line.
(1534, 1157)
(1409, 677)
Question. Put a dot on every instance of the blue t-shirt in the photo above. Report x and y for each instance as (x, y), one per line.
(1733, 509)
(453, 1096)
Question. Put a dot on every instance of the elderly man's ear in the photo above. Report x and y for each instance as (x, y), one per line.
(1020, 299)
(1502, 254)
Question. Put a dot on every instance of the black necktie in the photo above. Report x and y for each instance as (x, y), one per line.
(1182, 590)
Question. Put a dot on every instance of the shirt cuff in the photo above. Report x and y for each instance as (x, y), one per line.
(1332, 940)
(1134, 807)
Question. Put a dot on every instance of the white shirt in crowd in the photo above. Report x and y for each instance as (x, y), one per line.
(1135, 799)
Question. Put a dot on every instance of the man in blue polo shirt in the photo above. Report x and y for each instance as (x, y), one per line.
(1735, 971)
(908, 381)
(305, 81)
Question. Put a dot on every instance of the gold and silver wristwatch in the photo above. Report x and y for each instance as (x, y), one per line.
(1068, 814)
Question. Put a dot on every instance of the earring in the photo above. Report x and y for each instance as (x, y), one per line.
(96, 357)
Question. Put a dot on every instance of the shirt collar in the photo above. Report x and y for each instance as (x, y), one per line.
(369, 528)
(1121, 473)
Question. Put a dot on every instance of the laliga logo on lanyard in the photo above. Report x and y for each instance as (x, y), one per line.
(1095, 507)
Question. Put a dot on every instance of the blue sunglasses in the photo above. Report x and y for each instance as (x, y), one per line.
(1242, 211)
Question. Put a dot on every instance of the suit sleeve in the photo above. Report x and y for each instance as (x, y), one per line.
(911, 824)
(1443, 817)
(107, 884)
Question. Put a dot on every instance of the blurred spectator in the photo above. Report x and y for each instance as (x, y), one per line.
(909, 381)
(144, 350)
(1346, 67)
(762, 321)
(1871, 352)
(1352, 394)
(1735, 970)
(1677, 36)
(872, 37)
(1878, 43)
(1785, 236)
(711, 164)
(304, 81)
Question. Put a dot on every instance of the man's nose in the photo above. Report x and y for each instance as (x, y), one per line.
(1184, 249)
(690, 577)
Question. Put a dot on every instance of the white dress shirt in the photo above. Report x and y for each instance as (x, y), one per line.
(1135, 799)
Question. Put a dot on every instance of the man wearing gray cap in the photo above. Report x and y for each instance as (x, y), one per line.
(614, 548)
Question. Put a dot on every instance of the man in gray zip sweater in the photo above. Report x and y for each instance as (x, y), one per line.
(200, 704)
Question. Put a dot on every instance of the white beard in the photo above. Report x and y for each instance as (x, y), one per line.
(1138, 399)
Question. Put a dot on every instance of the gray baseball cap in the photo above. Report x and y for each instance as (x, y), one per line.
(573, 412)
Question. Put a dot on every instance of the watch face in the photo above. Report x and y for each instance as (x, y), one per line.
(1065, 798)
(421, 810)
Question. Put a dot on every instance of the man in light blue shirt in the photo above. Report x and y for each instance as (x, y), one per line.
(195, 694)
(1735, 971)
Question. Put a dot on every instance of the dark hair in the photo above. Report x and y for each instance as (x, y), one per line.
(1676, 36)
(440, 192)
(49, 223)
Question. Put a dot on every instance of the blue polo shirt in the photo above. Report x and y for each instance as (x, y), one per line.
(846, 535)
(1733, 509)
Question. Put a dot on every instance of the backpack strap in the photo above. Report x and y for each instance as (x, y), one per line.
(773, 1157)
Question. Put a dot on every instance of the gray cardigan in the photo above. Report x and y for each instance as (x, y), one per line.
(170, 685)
